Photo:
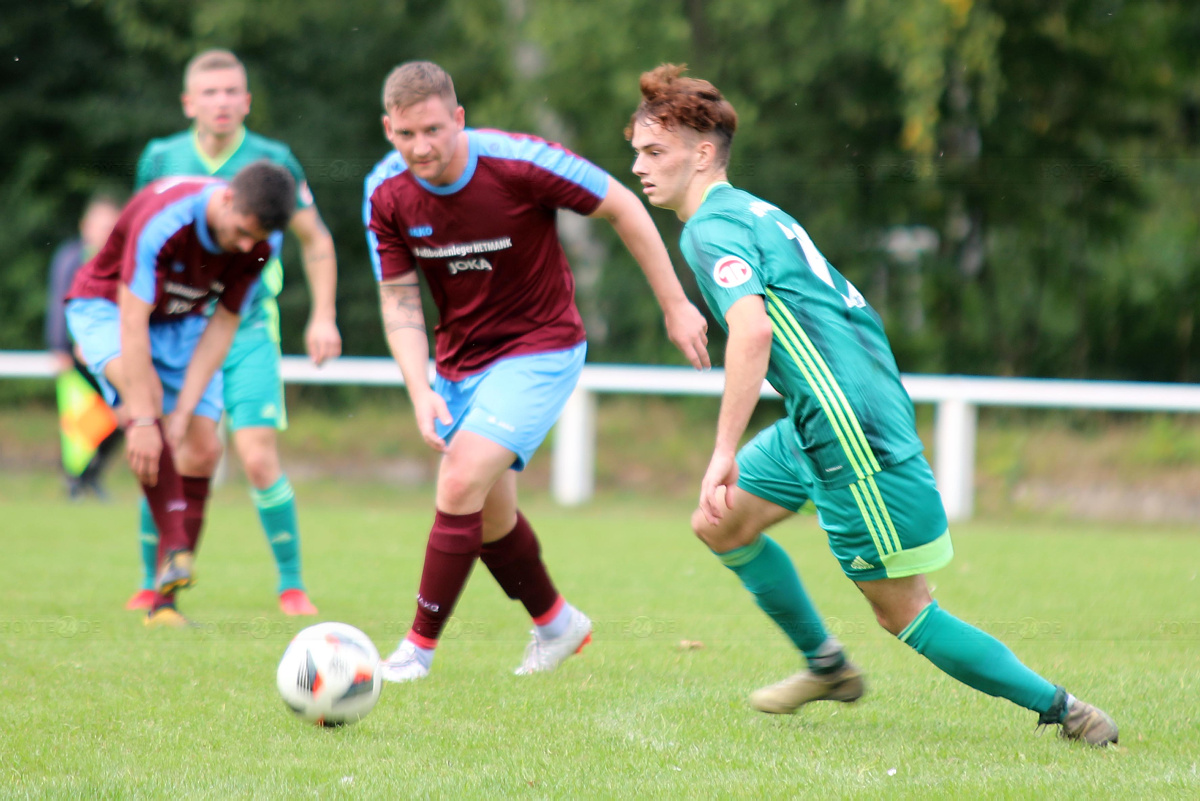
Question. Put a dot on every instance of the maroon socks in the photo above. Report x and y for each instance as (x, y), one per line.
(195, 493)
(177, 505)
(167, 502)
(515, 561)
(454, 543)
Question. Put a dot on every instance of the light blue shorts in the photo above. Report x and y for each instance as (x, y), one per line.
(514, 402)
(95, 325)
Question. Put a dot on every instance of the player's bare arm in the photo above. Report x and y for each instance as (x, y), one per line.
(208, 357)
(404, 326)
(321, 336)
(686, 325)
(747, 355)
(133, 375)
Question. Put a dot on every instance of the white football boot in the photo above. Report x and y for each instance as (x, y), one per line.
(542, 655)
(404, 664)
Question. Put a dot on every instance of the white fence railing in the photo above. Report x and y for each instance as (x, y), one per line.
(573, 476)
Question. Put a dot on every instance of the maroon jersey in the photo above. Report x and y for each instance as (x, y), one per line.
(487, 244)
(162, 249)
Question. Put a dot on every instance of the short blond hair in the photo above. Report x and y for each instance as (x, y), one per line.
(416, 81)
(209, 60)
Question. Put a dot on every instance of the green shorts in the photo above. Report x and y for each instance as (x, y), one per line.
(888, 525)
(772, 467)
(253, 387)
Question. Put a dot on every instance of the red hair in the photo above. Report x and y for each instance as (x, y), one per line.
(675, 102)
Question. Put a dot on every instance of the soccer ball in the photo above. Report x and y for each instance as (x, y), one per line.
(330, 674)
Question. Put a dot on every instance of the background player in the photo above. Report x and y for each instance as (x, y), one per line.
(78, 395)
(849, 439)
(136, 312)
(475, 211)
(217, 99)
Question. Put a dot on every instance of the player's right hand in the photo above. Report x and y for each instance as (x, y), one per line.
(716, 488)
(143, 447)
(688, 330)
(429, 408)
(323, 341)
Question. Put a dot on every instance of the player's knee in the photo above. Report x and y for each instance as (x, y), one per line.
(199, 455)
(262, 468)
(724, 536)
(886, 619)
(895, 616)
(707, 533)
(460, 489)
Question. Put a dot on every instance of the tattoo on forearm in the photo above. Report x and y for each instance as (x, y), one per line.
(401, 307)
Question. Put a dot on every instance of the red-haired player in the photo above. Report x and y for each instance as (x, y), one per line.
(848, 441)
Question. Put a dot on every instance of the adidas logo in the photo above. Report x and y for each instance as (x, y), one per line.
(861, 564)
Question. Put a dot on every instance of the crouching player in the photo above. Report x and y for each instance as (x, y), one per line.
(848, 441)
(137, 311)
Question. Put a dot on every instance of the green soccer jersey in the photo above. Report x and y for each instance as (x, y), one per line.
(180, 154)
(830, 358)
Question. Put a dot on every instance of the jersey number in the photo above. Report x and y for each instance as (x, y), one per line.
(819, 266)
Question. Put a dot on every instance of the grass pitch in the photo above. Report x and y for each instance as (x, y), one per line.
(96, 705)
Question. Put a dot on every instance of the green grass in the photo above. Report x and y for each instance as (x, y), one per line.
(95, 705)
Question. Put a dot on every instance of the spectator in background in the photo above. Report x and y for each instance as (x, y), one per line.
(85, 448)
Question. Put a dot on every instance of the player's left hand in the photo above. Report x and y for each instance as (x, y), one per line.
(322, 340)
(716, 488)
(688, 330)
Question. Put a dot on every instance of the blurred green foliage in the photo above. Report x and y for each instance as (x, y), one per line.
(1044, 153)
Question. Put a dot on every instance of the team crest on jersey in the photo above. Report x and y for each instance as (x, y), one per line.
(731, 271)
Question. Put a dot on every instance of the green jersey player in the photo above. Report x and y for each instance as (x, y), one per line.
(848, 441)
(216, 98)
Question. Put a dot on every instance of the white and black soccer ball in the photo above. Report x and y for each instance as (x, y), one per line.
(330, 674)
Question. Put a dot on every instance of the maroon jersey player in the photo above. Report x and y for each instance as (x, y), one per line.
(137, 312)
(474, 212)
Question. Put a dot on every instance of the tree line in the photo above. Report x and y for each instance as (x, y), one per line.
(1013, 185)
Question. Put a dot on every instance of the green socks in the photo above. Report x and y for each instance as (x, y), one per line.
(974, 657)
(276, 507)
(148, 536)
(766, 571)
(977, 659)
